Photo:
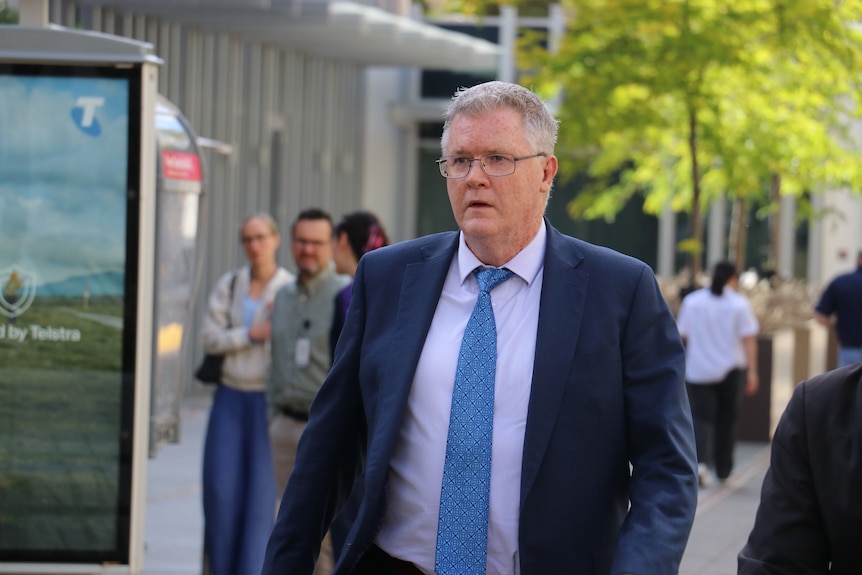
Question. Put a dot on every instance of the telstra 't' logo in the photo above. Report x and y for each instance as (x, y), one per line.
(84, 115)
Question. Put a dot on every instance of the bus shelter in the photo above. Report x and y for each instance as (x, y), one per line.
(78, 211)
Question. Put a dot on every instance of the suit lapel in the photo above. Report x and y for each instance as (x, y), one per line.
(564, 290)
(421, 285)
(420, 290)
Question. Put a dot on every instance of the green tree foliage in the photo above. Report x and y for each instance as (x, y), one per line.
(8, 15)
(684, 100)
(482, 8)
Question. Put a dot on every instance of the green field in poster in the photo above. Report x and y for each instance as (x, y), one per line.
(60, 393)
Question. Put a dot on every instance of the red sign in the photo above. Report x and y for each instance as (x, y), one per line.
(181, 166)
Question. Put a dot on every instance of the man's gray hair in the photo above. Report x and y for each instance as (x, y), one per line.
(540, 124)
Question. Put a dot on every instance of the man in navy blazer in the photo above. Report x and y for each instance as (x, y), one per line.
(593, 468)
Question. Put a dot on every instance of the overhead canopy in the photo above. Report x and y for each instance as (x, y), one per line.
(36, 44)
(340, 30)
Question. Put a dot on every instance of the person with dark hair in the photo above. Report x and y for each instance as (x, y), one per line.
(238, 483)
(301, 358)
(504, 399)
(810, 513)
(842, 302)
(719, 330)
(356, 234)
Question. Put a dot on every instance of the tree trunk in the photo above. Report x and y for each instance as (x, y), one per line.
(738, 233)
(774, 223)
(695, 256)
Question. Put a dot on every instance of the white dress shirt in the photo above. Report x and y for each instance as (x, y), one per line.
(409, 529)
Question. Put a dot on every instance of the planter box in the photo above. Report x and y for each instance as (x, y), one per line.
(755, 411)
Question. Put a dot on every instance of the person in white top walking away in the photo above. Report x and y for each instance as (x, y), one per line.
(719, 330)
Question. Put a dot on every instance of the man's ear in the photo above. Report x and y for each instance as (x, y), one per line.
(551, 168)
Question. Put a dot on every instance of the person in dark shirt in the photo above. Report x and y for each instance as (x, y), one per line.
(810, 513)
(842, 302)
(356, 234)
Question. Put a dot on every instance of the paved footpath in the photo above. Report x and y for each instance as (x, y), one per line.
(174, 522)
(725, 515)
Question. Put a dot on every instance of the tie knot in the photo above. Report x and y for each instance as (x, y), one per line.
(489, 278)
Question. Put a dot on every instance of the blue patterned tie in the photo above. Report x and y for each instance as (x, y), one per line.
(462, 534)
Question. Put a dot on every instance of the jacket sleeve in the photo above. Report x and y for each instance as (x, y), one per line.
(663, 487)
(329, 456)
(788, 536)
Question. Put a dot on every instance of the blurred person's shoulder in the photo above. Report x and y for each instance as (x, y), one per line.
(837, 389)
(420, 247)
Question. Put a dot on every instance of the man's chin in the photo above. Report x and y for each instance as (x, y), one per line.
(480, 227)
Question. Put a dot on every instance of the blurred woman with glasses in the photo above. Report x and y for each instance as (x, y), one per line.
(239, 493)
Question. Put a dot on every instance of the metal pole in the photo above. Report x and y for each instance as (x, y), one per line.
(666, 242)
(508, 39)
(786, 237)
(715, 248)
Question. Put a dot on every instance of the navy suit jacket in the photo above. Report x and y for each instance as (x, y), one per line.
(608, 422)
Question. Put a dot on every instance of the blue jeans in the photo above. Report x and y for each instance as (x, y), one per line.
(849, 355)
(238, 483)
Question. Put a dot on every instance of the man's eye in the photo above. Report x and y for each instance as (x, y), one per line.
(459, 161)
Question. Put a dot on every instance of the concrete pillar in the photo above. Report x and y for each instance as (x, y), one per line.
(666, 242)
(801, 353)
(33, 13)
(786, 236)
(508, 41)
(716, 241)
(815, 243)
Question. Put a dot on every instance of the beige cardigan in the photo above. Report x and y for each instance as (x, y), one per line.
(246, 363)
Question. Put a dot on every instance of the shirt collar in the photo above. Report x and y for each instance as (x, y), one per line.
(311, 286)
(526, 263)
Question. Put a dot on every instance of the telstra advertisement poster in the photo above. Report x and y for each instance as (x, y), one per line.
(65, 264)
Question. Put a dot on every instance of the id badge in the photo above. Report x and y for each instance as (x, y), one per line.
(303, 351)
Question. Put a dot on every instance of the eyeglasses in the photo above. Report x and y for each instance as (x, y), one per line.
(303, 243)
(247, 240)
(453, 167)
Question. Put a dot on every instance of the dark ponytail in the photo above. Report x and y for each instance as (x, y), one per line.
(364, 232)
(724, 271)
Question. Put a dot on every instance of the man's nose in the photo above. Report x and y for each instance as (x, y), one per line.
(476, 175)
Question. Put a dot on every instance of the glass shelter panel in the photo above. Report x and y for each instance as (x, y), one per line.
(68, 271)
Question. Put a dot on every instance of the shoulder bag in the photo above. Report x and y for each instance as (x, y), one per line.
(209, 370)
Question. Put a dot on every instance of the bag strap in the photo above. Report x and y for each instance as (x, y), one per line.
(230, 297)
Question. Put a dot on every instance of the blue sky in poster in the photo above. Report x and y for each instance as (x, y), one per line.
(63, 156)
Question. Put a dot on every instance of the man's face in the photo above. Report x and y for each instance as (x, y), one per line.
(505, 209)
(312, 247)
